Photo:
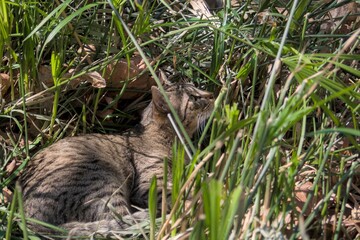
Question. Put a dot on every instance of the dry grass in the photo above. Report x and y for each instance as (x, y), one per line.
(279, 158)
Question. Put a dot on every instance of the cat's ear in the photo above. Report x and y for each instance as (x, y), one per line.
(159, 101)
(163, 79)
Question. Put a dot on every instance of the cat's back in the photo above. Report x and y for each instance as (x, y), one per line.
(73, 174)
(80, 151)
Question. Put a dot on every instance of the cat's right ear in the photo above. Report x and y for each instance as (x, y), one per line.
(163, 79)
(159, 101)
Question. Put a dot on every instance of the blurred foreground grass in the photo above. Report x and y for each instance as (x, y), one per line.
(278, 158)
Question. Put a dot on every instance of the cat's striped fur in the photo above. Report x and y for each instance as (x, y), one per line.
(73, 182)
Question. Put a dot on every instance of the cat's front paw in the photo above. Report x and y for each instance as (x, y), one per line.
(136, 218)
(102, 228)
(107, 228)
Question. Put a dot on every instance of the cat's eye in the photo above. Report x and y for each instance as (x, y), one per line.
(195, 98)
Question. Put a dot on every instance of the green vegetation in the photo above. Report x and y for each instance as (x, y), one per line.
(279, 156)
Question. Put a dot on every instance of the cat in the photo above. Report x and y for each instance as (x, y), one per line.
(74, 182)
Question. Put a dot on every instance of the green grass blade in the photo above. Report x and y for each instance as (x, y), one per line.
(64, 22)
(152, 206)
(47, 18)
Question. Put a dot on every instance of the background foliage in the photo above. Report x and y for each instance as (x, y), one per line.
(279, 156)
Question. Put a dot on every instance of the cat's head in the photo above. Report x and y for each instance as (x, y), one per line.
(192, 105)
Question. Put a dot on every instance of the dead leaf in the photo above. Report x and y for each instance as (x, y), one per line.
(4, 83)
(45, 76)
(355, 213)
(103, 113)
(7, 195)
(301, 193)
(10, 167)
(117, 74)
(95, 78)
(336, 15)
(88, 49)
(201, 8)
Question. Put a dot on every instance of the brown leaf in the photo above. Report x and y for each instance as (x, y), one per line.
(10, 167)
(95, 78)
(7, 195)
(201, 8)
(4, 83)
(301, 193)
(45, 76)
(336, 16)
(88, 49)
(355, 213)
(103, 113)
(117, 74)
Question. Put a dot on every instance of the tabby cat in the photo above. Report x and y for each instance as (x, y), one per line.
(79, 182)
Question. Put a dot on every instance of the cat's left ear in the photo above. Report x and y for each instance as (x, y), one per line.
(159, 101)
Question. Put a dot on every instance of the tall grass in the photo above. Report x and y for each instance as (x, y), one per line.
(279, 156)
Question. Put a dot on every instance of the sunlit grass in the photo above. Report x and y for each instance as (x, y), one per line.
(279, 155)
